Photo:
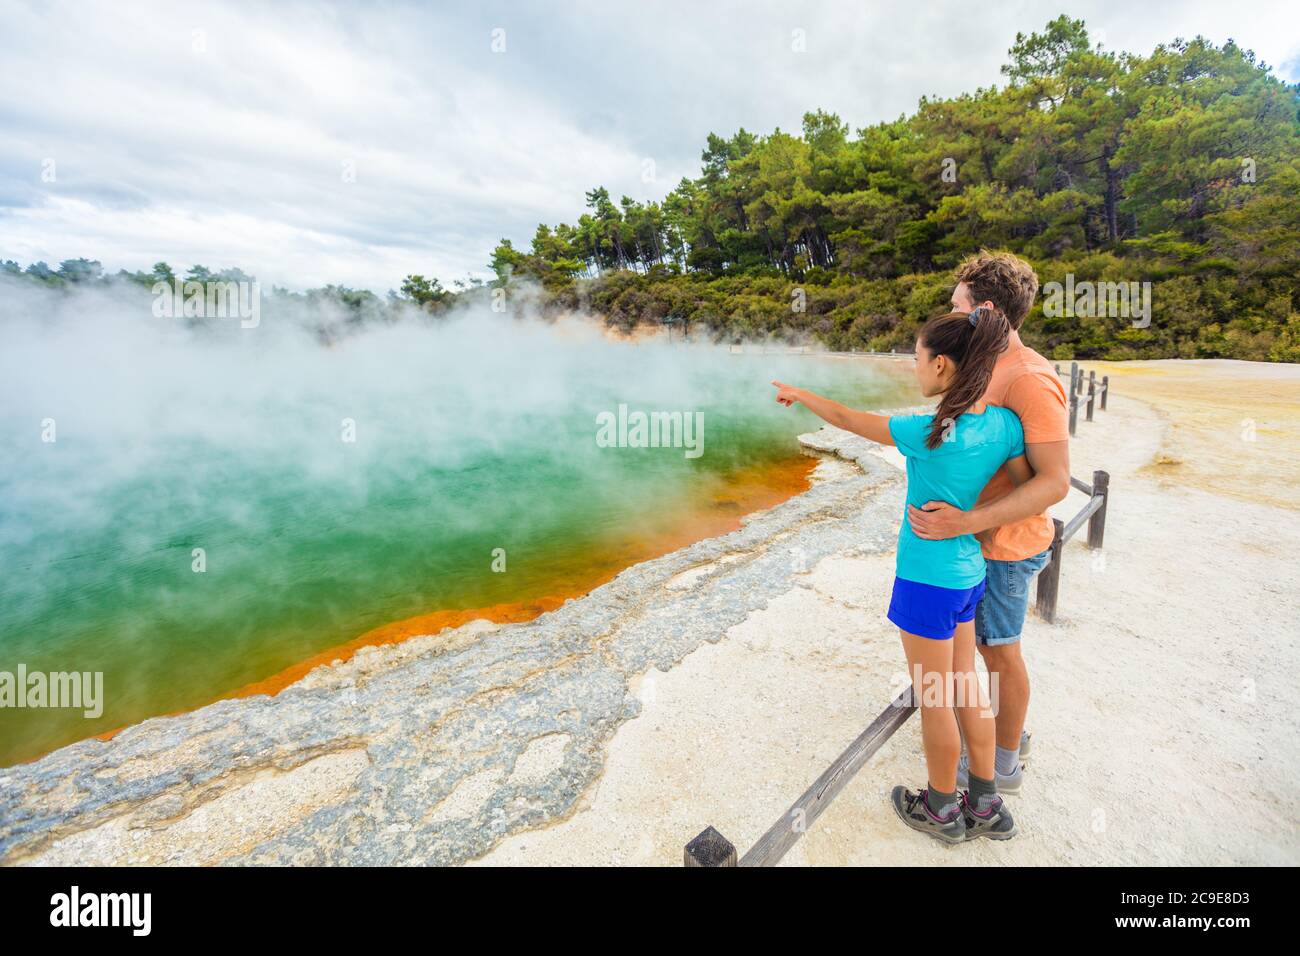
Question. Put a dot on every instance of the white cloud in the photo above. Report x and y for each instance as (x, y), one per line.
(226, 146)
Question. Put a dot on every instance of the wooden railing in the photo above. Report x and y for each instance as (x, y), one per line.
(1094, 512)
(1095, 392)
(711, 848)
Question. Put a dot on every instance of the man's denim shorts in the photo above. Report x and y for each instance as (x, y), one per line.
(931, 611)
(1000, 617)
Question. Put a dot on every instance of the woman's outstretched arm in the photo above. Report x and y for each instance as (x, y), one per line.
(868, 425)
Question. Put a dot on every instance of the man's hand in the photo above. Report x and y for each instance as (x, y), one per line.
(937, 520)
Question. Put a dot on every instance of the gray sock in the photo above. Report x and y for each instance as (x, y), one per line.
(1006, 761)
(942, 805)
(982, 792)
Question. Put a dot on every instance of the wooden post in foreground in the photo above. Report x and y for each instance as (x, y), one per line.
(1049, 579)
(1074, 412)
(1105, 391)
(1074, 377)
(1092, 392)
(1097, 523)
(710, 848)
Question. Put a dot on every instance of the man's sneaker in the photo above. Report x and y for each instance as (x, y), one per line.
(913, 810)
(995, 822)
(1008, 784)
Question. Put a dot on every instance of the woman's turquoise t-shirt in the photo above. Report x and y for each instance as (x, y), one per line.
(956, 472)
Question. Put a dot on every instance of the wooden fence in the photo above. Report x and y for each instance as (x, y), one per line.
(1094, 513)
(1096, 391)
(711, 848)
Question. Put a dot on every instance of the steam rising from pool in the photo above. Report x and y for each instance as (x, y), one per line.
(328, 489)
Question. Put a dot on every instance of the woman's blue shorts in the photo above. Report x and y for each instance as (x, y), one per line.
(932, 611)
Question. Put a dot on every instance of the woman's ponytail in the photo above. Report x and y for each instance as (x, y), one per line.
(973, 341)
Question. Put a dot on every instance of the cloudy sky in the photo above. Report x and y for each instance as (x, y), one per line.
(310, 143)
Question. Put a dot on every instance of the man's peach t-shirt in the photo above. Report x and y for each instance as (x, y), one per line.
(1025, 382)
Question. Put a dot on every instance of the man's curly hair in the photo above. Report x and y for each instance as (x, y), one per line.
(1003, 279)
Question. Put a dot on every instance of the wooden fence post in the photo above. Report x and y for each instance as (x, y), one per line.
(1097, 523)
(1049, 579)
(1074, 412)
(710, 848)
(1074, 376)
(1092, 392)
(1105, 391)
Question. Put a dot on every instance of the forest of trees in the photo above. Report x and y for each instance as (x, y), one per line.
(329, 312)
(1180, 168)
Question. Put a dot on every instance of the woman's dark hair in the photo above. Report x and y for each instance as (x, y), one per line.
(973, 341)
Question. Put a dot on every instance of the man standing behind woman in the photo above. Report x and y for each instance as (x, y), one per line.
(951, 454)
(1010, 521)
(974, 359)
